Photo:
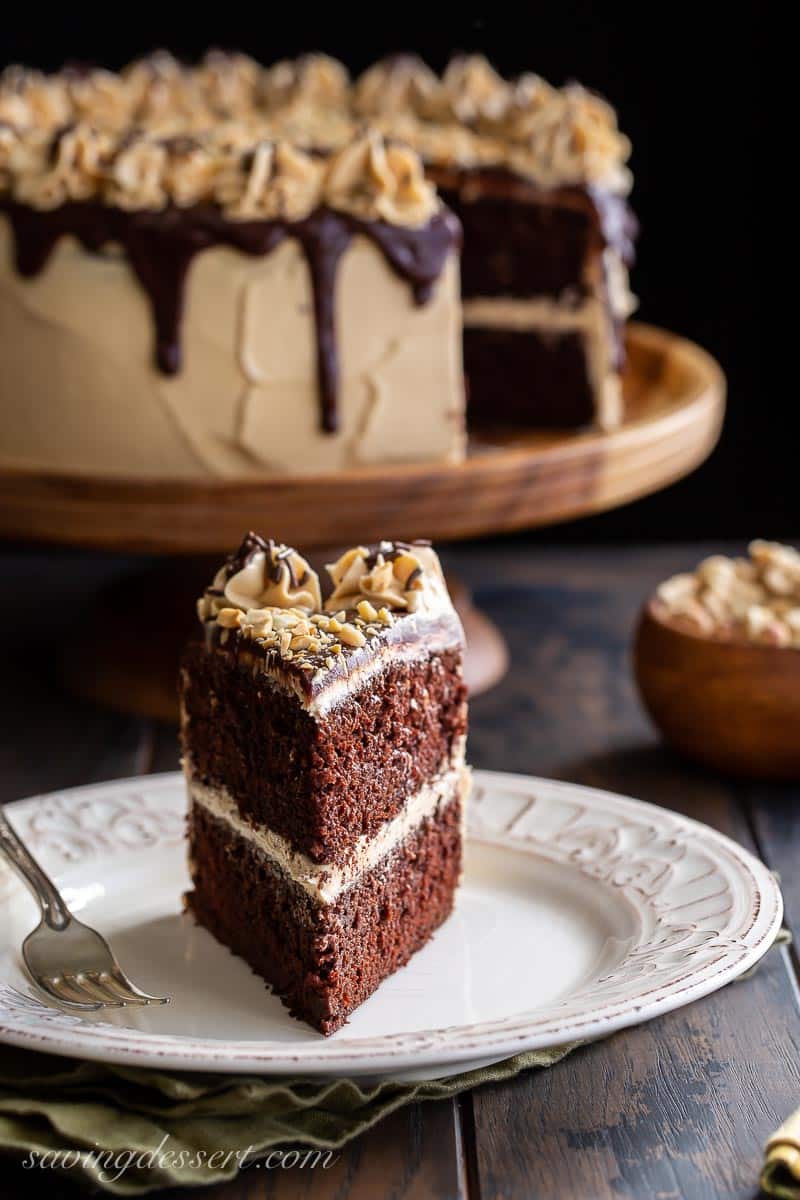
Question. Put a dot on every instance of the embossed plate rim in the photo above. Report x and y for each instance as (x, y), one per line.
(677, 959)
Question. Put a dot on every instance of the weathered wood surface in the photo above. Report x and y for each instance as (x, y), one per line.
(677, 1108)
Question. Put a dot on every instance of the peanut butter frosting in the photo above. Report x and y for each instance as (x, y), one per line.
(266, 180)
(312, 79)
(396, 575)
(262, 575)
(470, 116)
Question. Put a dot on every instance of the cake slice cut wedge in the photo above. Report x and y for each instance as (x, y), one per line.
(324, 754)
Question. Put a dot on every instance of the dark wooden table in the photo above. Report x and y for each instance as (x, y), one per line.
(676, 1108)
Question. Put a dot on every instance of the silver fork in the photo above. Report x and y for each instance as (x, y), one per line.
(70, 962)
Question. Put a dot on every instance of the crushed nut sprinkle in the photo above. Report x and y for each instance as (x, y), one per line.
(755, 599)
(229, 618)
(351, 636)
(366, 610)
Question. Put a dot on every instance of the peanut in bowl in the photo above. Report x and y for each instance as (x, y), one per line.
(717, 664)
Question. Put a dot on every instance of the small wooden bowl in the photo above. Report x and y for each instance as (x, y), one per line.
(733, 706)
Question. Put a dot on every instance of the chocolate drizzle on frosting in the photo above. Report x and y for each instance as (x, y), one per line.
(251, 544)
(260, 575)
(161, 246)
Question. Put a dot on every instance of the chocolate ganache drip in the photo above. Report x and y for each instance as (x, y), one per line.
(161, 246)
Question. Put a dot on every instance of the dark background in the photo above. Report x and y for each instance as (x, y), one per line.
(686, 82)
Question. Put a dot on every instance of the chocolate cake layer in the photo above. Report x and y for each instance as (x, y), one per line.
(321, 782)
(524, 246)
(527, 378)
(324, 959)
(522, 240)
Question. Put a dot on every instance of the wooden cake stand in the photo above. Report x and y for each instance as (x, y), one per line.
(675, 401)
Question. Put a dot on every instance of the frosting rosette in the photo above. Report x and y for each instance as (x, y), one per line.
(270, 182)
(262, 575)
(380, 180)
(395, 575)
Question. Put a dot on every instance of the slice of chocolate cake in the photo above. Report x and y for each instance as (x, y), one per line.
(324, 755)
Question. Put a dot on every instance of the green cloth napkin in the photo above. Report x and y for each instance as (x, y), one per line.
(131, 1131)
(147, 1129)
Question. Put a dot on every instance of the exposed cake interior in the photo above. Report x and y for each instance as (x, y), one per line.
(325, 959)
(324, 753)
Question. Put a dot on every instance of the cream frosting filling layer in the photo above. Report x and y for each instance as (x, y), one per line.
(540, 313)
(545, 312)
(325, 882)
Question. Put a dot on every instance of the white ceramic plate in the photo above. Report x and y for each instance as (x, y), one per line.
(581, 912)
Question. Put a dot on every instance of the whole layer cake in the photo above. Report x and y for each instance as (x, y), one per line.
(230, 270)
(324, 755)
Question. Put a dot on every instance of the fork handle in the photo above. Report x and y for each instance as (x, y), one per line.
(54, 911)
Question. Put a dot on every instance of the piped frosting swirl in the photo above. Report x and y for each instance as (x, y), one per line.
(260, 575)
(374, 179)
(469, 116)
(405, 576)
(264, 180)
